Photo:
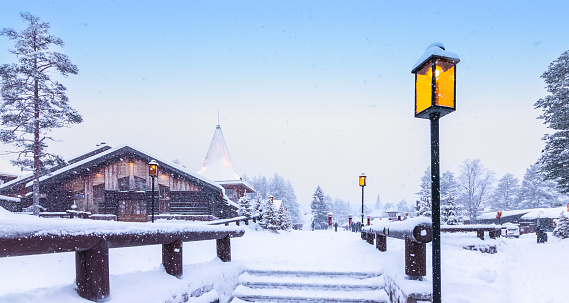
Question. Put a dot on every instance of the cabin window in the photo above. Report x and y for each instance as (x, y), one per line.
(124, 184)
(164, 192)
(98, 194)
(139, 184)
(229, 193)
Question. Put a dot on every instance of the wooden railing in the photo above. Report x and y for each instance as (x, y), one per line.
(92, 250)
(494, 231)
(416, 234)
(236, 220)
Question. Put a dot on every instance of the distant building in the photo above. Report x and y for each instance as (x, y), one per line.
(116, 181)
(218, 167)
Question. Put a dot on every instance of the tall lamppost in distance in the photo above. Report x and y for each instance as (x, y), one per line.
(362, 184)
(435, 93)
(152, 170)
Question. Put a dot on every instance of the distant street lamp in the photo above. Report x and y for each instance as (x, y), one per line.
(152, 170)
(435, 83)
(362, 184)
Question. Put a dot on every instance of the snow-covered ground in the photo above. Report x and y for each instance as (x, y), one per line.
(521, 271)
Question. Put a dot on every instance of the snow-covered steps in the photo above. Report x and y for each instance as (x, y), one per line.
(305, 286)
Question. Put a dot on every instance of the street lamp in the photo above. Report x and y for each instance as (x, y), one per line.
(152, 170)
(435, 83)
(362, 184)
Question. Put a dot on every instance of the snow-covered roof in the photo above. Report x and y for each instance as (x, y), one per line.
(552, 213)
(506, 213)
(6, 198)
(217, 165)
(436, 49)
(118, 150)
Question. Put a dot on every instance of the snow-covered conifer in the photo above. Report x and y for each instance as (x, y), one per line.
(319, 209)
(555, 156)
(270, 216)
(562, 227)
(245, 208)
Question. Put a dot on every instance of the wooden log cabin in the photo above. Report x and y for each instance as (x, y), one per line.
(116, 181)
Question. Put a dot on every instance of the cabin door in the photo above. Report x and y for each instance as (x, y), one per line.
(132, 210)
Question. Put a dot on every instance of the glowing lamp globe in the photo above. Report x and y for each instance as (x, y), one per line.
(435, 82)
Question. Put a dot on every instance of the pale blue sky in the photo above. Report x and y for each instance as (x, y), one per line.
(318, 91)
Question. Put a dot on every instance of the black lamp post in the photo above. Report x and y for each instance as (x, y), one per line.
(435, 83)
(362, 184)
(152, 170)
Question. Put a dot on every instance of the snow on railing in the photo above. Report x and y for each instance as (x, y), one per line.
(235, 220)
(90, 240)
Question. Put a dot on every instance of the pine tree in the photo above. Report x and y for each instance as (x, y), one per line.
(562, 227)
(33, 103)
(424, 207)
(537, 192)
(448, 211)
(245, 208)
(270, 216)
(506, 194)
(555, 157)
(319, 209)
(284, 222)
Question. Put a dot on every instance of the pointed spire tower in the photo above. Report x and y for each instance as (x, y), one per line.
(218, 167)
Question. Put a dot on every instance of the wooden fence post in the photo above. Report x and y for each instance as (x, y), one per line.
(415, 259)
(92, 272)
(480, 234)
(172, 258)
(381, 242)
(224, 249)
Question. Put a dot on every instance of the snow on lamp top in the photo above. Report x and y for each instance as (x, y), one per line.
(436, 49)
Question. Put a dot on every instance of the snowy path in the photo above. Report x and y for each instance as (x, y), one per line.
(520, 272)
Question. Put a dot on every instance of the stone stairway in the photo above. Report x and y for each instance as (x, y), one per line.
(307, 286)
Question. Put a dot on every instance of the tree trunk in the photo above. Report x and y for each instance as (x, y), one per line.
(36, 184)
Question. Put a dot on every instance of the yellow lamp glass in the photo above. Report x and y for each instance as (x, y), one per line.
(423, 88)
(152, 168)
(362, 180)
(435, 88)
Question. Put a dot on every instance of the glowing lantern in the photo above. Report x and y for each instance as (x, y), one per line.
(435, 82)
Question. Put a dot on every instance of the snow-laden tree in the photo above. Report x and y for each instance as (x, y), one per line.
(284, 220)
(424, 207)
(555, 157)
(245, 208)
(506, 194)
(448, 211)
(377, 203)
(319, 209)
(258, 208)
(562, 227)
(279, 189)
(403, 207)
(475, 185)
(536, 191)
(33, 101)
(270, 216)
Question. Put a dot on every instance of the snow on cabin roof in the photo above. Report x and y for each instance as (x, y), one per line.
(551, 213)
(116, 150)
(217, 165)
(506, 213)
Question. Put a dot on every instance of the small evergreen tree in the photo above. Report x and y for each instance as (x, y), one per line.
(448, 211)
(319, 209)
(245, 208)
(270, 216)
(424, 202)
(562, 227)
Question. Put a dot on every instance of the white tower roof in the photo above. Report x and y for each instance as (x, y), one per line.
(217, 165)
